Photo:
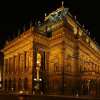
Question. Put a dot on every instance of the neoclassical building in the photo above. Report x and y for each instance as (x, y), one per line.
(54, 57)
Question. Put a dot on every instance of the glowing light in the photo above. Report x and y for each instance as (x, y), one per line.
(34, 79)
(0, 79)
(0, 85)
(38, 62)
(37, 79)
(75, 30)
(12, 89)
(0, 75)
(21, 92)
(87, 40)
(40, 79)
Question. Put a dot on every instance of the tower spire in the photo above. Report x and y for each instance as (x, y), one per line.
(62, 3)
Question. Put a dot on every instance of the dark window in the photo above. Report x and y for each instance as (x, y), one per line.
(25, 83)
(5, 84)
(9, 84)
(14, 84)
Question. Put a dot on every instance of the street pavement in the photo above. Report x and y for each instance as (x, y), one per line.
(49, 97)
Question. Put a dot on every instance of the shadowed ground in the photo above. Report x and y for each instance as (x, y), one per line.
(31, 97)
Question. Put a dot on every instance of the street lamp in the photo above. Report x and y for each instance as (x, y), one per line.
(37, 79)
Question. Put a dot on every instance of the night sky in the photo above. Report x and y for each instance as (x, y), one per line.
(15, 15)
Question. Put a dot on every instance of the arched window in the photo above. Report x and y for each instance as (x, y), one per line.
(9, 84)
(5, 85)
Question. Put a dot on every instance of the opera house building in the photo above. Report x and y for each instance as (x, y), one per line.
(56, 57)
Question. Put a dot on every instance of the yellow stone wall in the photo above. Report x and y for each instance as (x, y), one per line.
(69, 56)
(18, 46)
(89, 60)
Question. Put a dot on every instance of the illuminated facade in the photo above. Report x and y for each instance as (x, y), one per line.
(1, 69)
(55, 57)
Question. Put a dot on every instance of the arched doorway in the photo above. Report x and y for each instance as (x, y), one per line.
(93, 87)
(89, 87)
(84, 87)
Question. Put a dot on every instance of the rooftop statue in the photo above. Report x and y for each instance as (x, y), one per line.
(57, 15)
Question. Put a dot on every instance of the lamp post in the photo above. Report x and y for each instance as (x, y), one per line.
(37, 79)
